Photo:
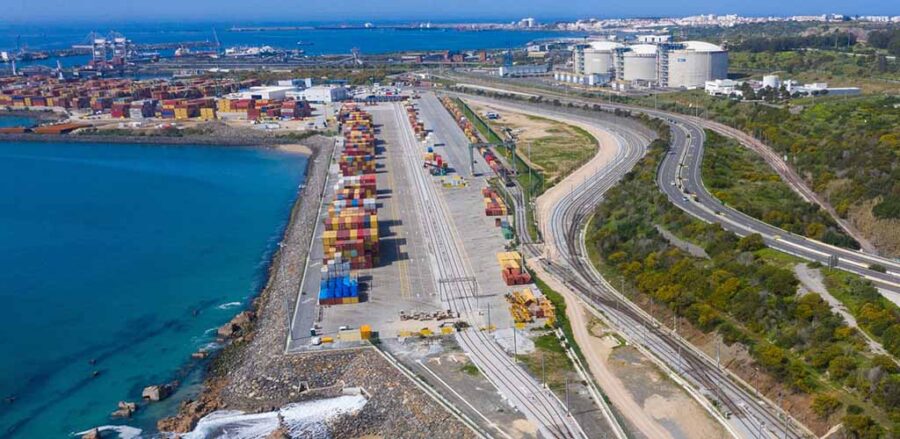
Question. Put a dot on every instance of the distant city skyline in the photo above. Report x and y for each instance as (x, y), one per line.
(238, 11)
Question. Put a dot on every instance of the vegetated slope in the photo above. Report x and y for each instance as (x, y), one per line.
(747, 294)
(847, 149)
(742, 180)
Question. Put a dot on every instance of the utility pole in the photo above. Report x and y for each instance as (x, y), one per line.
(717, 354)
(567, 395)
(781, 405)
(543, 371)
(515, 345)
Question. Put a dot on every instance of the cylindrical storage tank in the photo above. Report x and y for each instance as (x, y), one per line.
(695, 63)
(640, 63)
(771, 81)
(600, 57)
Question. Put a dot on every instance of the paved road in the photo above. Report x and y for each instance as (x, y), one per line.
(690, 140)
(452, 271)
(748, 418)
(447, 134)
(679, 178)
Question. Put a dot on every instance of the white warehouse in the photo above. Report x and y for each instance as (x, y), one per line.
(686, 64)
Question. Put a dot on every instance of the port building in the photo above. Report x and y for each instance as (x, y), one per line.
(655, 62)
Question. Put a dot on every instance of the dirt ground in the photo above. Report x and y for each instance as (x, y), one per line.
(556, 148)
(652, 404)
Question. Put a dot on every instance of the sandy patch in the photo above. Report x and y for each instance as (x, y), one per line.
(525, 428)
(295, 148)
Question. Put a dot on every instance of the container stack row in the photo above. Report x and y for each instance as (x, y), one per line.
(339, 284)
(412, 113)
(201, 98)
(493, 204)
(350, 240)
(358, 154)
(461, 120)
(513, 268)
(435, 163)
(505, 228)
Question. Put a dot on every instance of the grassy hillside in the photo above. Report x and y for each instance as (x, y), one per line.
(741, 179)
(848, 149)
(748, 296)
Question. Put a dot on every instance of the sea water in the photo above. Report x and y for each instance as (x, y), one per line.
(118, 262)
(16, 121)
(314, 41)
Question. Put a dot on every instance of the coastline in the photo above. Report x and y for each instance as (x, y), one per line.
(41, 116)
(266, 329)
(202, 140)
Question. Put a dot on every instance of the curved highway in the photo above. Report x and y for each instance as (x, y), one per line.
(741, 408)
(687, 145)
(679, 178)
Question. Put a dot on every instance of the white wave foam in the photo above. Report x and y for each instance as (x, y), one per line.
(304, 419)
(229, 305)
(124, 431)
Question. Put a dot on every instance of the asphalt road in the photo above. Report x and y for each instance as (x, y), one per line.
(747, 416)
(679, 178)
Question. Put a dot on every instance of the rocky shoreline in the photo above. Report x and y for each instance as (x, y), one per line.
(263, 336)
(253, 374)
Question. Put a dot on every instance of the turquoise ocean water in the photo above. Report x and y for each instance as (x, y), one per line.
(16, 121)
(129, 257)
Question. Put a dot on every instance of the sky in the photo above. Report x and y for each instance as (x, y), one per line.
(240, 11)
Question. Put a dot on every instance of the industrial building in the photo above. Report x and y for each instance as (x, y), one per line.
(518, 71)
(653, 63)
(321, 94)
(730, 88)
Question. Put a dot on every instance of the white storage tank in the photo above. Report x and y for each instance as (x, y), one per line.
(600, 57)
(640, 63)
(771, 81)
(696, 62)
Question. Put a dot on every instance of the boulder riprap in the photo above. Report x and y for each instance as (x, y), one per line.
(159, 392)
(238, 326)
(93, 433)
(126, 409)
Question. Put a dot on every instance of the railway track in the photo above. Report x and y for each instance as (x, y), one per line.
(450, 263)
(736, 400)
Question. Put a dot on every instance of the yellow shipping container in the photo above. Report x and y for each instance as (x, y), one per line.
(365, 331)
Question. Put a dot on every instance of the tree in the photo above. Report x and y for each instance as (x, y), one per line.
(825, 405)
(841, 366)
(751, 243)
(862, 427)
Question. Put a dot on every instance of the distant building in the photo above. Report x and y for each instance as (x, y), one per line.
(527, 22)
(654, 39)
(723, 87)
(267, 92)
(591, 80)
(517, 71)
(322, 94)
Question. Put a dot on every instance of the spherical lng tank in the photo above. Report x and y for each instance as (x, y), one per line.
(695, 63)
(600, 58)
(640, 63)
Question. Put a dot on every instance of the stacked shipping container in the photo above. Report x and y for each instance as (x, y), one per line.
(350, 239)
(513, 268)
(493, 204)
